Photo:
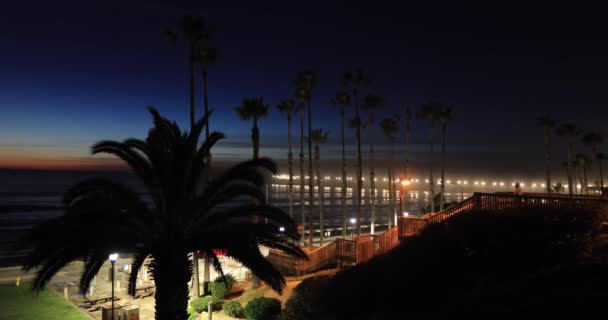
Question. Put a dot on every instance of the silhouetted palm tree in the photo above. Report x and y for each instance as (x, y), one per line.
(444, 114)
(568, 131)
(593, 140)
(288, 106)
(207, 57)
(253, 109)
(356, 80)
(304, 83)
(601, 157)
(302, 174)
(547, 123)
(408, 122)
(319, 137)
(342, 101)
(107, 216)
(372, 103)
(430, 111)
(583, 163)
(194, 30)
(390, 126)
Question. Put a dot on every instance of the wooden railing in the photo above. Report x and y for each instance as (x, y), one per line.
(365, 247)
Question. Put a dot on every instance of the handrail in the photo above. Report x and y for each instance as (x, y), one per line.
(366, 247)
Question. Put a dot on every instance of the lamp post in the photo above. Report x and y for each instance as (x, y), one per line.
(403, 184)
(352, 223)
(113, 257)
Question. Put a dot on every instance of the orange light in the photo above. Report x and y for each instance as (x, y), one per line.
(405, 182)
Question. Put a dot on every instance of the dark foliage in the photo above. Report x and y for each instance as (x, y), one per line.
(182, 213)
(304, 301)
(263, 309)
(509, 262)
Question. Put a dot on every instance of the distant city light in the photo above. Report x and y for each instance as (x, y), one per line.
(353, 220)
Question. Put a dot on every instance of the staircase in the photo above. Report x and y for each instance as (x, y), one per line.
(364, 247)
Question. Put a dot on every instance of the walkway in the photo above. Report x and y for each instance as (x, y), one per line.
(362, 248)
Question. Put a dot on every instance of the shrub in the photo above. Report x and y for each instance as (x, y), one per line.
(200, 304)
(263, 309)
(230, 281)
(303, 302)
(218, 290)
(192, 314)
(233, 309)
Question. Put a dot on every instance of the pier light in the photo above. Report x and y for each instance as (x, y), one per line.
(494, 183)
(406, 214)
(465, 182)
(449, 182)
(523, 184)
(282, 229)
(502, 184)
(543, 185)
(483, 183)
(458, 182)
(534, 185)
(426, 180)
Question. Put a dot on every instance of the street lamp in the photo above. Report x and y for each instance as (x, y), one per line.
(113, 257)
(352, 222)
(403, 184)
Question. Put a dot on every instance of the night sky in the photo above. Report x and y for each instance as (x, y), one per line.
(72, 73)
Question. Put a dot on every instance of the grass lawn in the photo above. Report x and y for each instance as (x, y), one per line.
(20, 303)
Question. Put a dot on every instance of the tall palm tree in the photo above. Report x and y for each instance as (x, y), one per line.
(601, 157)
(430, 111)
(193, 30)
(288, 106)
(444, 114)
(583, 163)
(180, 218)
(408, 122)
(593, 140)
(342, 101)
(568, 131)
(372, 103)
(390, 126)
(304, 83)
(318, 137)
(302, 174)
(547, 123)
(207, 57)
(253, 109)
(356, 80)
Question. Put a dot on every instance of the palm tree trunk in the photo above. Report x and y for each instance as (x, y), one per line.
(196, 285)
(601, 177)
(391, 186)
(407, 145)
(302, 194)
(431, 182)
(191, 93)
(359, 165)
(205, 97)
(372, 176)
(290, 164)
(569, 167)
(442, 199)
(547, 160)
(255, 138)
(171, 271)
(585, 188)
(320, 193)
(311, 189)
(344, 185)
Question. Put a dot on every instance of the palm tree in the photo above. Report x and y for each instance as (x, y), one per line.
(207, 56)
(288, 106)
(444, 115)
(372, 103)
(430, 111)
(408, 122)
(194, 30)
(593, 139)
(304, 83)
(108, 216)
(356, 80)
(568, 131)
(546, 122)
(318, 137)
(302, 195)
(253, 109)
(601, 157)
(390, 126)
(558, 187)
(583, 163)
(342, 101)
